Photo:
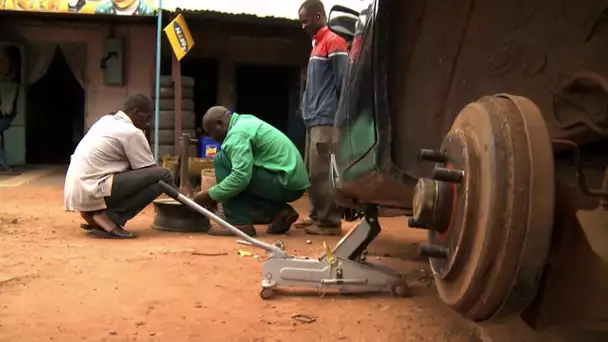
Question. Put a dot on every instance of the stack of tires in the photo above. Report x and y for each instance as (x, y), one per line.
(166, 115)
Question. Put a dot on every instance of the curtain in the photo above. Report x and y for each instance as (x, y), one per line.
(39, 57)
(75, 55)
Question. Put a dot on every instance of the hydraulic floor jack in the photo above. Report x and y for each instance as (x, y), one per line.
(344, 268)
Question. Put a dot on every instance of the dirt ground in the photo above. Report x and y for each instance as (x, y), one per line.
(58, 284)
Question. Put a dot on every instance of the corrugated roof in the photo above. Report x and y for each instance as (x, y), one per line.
(286, 9)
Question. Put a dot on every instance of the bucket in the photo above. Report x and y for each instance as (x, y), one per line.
(207, 179)
(208, 147)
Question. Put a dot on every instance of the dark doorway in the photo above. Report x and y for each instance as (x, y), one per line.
(55, 115)
(205, 73)
(264, 91)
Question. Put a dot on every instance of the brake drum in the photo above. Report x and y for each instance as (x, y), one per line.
(489, 207)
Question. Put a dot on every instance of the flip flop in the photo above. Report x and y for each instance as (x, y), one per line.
(116, 233)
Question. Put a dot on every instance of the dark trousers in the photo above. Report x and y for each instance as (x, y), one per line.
(133, 190)
(5, 124)
(265, 195)
(318, 157)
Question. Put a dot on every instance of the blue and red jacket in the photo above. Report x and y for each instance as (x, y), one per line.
(326, 69)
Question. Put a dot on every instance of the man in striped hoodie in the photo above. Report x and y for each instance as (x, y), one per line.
(326, 68)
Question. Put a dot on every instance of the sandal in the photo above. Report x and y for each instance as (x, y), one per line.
(116, 233)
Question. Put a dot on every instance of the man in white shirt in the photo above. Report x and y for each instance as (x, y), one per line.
(112, 174)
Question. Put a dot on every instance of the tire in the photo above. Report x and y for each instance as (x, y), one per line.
(167, 93)
(167, 136)
(167, 150)
(169, 104)
(166, 119)
(167, 81)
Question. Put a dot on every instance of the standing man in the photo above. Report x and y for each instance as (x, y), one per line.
(258, 170)
(112, 174)
(326, 68)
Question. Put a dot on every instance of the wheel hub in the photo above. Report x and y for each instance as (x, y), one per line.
(489, 207)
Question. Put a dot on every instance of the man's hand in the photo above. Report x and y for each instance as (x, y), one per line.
(203, 199)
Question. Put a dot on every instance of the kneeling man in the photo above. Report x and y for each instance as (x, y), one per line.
(257, 170)
(112, 174)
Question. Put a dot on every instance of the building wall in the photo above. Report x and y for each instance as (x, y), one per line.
(140, 42)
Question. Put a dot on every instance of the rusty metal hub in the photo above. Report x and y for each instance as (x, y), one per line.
(489, 207)
(170, 215)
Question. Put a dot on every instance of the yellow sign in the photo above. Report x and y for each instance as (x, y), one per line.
(106, 7)
(179, 36)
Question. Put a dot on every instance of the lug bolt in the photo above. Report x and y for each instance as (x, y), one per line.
(436, 156)
(412, 222)
(433, 251)
(448, 175)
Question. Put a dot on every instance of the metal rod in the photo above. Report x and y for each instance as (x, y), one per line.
(437, 156)
(159, 30)
(176, 195)
(184, 170)
(580, 174)
(176, 71)
(343, 281)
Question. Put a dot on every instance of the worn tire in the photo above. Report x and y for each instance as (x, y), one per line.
(166, 119)
(168, 93)
(169, 104)
(167, 81)
(167, 150)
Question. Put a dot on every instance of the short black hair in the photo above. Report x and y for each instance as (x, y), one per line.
(315, 6)
(138, 101)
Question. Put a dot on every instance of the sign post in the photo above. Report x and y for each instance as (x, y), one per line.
(181, 43)
(159, 25)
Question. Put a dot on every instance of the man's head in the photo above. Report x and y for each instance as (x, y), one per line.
(312, 16)
(140, 109)
(216, 122)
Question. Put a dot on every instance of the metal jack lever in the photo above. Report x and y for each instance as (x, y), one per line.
(339, 269)
(176, 195)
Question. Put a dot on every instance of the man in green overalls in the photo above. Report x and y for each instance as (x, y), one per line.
(257, 170)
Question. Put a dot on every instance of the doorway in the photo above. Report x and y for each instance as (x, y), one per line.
(265, 91)
(55, 115)
(205, 72)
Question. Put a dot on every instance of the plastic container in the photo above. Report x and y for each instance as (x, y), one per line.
(208, 147)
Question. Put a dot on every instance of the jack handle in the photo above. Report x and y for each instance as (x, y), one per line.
(178, 196)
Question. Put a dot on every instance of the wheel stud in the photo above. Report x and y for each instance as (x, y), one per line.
(436, 156)
(413, 222)
(448, 175)
(433, 251)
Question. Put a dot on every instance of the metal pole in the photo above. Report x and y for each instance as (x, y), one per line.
(159, 30)
(176, 72)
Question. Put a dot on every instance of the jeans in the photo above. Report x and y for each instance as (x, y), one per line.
(318, 157)
(265, 194)
(5, 124)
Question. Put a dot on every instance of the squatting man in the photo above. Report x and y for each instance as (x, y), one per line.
(112, 174)
(258, 172)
